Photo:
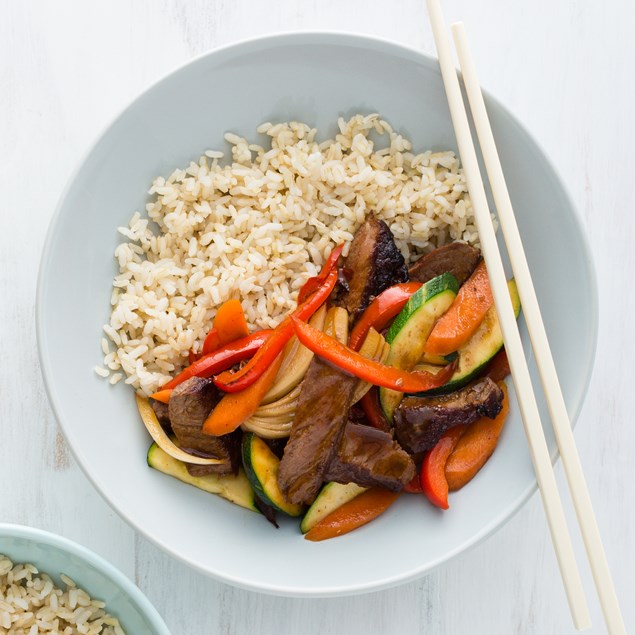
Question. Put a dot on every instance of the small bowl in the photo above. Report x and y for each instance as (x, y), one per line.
(55, 555)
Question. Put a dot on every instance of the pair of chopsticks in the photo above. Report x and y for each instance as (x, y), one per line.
(517, 361)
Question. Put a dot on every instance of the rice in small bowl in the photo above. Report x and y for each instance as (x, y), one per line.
(49, 584)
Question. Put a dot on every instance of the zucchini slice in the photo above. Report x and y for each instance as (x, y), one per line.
(233, 487)
(331, 496)
(408, 334)
(478, 350)
(261, 466)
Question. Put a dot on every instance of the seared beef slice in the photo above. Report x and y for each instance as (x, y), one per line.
(319, 422)
(163, 417)
(370, 458)
(459, 259)
(374, 263)
(421, 421)
(190, 404)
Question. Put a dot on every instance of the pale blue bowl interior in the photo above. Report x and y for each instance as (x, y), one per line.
(55, 555)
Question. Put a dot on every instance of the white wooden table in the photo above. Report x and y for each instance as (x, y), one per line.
(565, 68)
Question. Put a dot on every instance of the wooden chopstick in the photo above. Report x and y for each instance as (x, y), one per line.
(511, 336)
(544, 359)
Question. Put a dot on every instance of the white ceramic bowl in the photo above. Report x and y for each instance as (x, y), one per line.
(315, 78)
(55, 555)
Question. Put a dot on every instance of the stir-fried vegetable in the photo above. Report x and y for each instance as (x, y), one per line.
(229, 325)
(313, 284)
(367, 369)
(433, 481)
(261, 466)
(373, 411)
(382, 309)
(271, 349)
(223, 358)
(235, 408)
(475, 447)
(233, 487)
(375, 348)
(295, 362)
(460, 321)
(162, 395)
(353, 514)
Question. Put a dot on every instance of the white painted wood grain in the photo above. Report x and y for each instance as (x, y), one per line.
(564, 68)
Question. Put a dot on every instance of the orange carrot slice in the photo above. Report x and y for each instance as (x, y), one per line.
(463, 317)
(235, 408)
(162, 395)
(357, 512)
(230, 322)
(475, 446)
(229, 325)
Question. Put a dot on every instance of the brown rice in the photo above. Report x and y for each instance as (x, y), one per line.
(30, 604)
(257, 227)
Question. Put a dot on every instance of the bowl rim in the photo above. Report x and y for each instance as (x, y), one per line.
(71, 547)
(381, 45)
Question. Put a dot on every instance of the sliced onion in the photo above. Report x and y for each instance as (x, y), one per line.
(297, 359)
(374, 347)
(153, 426)
(269, 428)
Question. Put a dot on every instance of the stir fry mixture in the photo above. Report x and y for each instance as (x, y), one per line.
(383, 380)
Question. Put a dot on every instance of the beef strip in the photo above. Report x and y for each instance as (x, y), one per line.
(421, 421)
(374, 264)
(370, 458)
(317, 430)
(459, 259)
(161, 411)
(190, 404)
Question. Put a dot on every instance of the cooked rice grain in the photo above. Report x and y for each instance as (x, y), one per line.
(30, 604)
(258, 228)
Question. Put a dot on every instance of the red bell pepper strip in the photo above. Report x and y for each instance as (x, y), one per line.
(223, 358)
(369, 370)
(381, 310)
(414, 485)
(375, 415)
(250, 372)
(314, 283)
(212, 342)
(433, 481)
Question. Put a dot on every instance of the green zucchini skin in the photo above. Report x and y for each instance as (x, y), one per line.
(478, 351)
(432, 288)
(261, 466)
(410, 329)
(233, 487)
(331, 496)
